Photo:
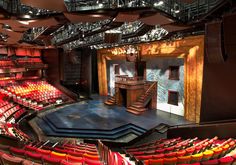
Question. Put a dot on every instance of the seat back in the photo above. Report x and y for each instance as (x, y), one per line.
(50, 161)
(35, 157)
(10, 160)
(28, 162)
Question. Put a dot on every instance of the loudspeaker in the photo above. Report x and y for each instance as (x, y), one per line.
(229, 26)
(112, 37)
(213, 42)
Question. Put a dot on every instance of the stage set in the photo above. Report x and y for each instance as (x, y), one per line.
(146, 84)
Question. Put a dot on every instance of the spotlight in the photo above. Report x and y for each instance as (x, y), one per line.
(30, 12)
(7, 27)
(160, 3)
(26, 16)
(176, 8)
(100, 5)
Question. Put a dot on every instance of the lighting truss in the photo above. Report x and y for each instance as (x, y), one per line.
(96, 41)
(31, 34)
(79, 29)
(176, 8)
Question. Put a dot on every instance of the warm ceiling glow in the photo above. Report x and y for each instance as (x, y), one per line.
(26, 22)
(96, 15)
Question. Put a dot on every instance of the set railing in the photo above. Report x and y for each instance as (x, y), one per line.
(129, 80)
(150, 88)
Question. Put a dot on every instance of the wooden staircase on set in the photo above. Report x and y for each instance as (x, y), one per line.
(140, 106)
(110, 101)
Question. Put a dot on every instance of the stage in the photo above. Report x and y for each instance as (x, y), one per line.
(92, 119)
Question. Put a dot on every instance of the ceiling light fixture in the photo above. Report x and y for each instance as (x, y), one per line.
(26, 22)
(159, 3)
(176, 8)
(100, 5)
(26, 16)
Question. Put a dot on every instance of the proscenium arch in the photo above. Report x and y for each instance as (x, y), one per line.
(189, 48)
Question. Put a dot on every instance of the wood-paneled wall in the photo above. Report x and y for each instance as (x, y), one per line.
(189, 48)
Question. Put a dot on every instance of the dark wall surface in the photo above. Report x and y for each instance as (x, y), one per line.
(219, 90)
(86, 72)
(51, 57)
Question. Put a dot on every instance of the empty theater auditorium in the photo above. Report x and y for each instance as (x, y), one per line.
(117, 82)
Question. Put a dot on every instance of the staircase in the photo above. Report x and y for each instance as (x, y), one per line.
(140, 105)
(162, 128)
(111, 101)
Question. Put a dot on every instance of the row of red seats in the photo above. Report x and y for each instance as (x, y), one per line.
(176, 151)
(34, 94)
(7, 159)
(9, 63)
(6, 63)
(49, 156)
(29, 60)
(9, 114)
(19, 114)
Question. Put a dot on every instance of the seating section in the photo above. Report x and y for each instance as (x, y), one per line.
(21, 62)
(36, 95)
(29, 62)
(188, 151)
(64, 154)
(9, 115)
(6, 63)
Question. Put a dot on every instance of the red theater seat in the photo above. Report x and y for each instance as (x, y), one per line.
(11, 160)
(33, 156)
(63, 162)
(226, 160)
(91, 157)
(155, 161)
(43, 152)
(92, 162)
(170, 161)
(207, 155)
(144, 157)
(58, 155)
(78, 154)
(71, 158)
(170, 155)
(158, 156)
(217, 152)
(17, 152)
(190, 151)
(181, 153)
(50, 161)
(30, 148)
(184, 159)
